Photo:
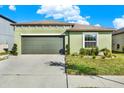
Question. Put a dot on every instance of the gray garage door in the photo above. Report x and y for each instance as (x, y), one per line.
(42, 44)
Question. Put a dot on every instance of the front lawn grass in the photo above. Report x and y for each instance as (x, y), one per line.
(79, 65)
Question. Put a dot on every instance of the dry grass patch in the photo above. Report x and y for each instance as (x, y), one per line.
(88, 66)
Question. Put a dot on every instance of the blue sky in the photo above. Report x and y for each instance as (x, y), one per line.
(107, 16)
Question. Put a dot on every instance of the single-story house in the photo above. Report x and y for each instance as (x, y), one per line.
(51, 37)
(6, 33)
(118, 40)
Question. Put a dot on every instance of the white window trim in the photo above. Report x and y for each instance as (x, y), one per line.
(97, 38)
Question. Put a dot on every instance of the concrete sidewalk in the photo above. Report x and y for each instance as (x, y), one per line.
(95, 81)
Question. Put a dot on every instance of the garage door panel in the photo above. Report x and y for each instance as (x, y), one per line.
(42, 45)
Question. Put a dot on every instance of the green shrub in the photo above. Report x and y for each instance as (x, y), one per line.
(74, 54)
(14, 50)
(103, 57)
(88, 51)
(107, 52)
(82, 51)
(81, 56)
(93, 51)
(6, 50)
(109, 55)
(94, 56)
(67, 51)
(123, 49)
(96, 51)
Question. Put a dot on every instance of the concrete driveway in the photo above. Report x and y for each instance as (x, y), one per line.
(33, 71)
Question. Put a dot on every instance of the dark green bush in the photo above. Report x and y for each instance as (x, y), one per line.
(94, 56)
(81, 56)
(123, 49)
(107, 52)
(82, 51)
(14, 50)
(93, 51)
(6, 50)
(97, 51)
(103, 57)
(67, 51)
(75, 54)
(88, 52)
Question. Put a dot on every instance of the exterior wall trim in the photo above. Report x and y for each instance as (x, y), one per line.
(53, 34)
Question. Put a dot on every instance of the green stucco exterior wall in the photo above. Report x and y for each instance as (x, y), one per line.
(105, 40)
(37, 30)
(76, 40)
(73, 39)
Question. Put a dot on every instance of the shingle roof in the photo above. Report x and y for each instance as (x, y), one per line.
(45, 22)
(75, 26)
(80, 27)
(7, 18)
(119, 31)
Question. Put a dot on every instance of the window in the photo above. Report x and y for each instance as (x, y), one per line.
(118, 46)
(90, 40)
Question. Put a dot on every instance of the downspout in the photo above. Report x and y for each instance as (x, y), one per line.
(69, 42)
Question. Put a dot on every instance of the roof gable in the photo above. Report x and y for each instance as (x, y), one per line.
(119, 31)
(7, 18)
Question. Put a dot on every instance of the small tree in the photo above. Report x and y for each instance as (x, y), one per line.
(14, 50)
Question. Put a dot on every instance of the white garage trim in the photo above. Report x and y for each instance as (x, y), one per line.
(53, 34)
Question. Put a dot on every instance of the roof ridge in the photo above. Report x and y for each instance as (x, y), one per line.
(93, 26)
(44, 21)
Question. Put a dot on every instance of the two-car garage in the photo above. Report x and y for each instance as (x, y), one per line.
(42, 44)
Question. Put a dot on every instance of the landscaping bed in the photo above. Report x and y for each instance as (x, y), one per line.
(78, 65)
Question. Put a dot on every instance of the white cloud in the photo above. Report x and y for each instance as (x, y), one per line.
(98, 25)
(118, 22)
(12, 7)
(70, 13)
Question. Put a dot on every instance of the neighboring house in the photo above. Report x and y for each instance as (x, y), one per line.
(118, 40)
(6, 33)
(51, 37)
